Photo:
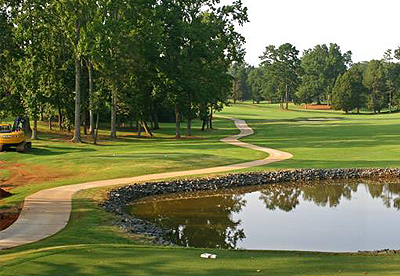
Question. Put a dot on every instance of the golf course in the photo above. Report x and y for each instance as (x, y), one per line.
(90, 244)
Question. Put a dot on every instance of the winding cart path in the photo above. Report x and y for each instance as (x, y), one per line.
(47, 212)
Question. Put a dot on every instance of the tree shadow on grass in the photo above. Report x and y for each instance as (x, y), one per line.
(54, 150)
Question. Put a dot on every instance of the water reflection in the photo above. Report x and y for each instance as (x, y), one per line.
(200, 219)
(286, 198)
(214, 219)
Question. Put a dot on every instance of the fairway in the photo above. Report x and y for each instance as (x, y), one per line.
(90, 245)
(323, 139)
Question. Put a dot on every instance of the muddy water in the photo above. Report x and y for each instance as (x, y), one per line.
(334, 216)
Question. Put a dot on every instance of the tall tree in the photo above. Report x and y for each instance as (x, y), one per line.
(197, 35)
(349, 91)
(375, 80)
(320, 68)
(284, 64)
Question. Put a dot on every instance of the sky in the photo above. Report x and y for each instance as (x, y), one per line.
(366, 27)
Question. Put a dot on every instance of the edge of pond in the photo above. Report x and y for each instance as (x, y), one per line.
(118, 198)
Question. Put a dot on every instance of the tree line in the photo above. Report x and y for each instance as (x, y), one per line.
(323, 74)
(136, 60)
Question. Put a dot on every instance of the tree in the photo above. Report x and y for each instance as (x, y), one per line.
(349, 91)
(284, 66)
(10, 101)
(320, 67)
(241, 87)
(73, 16)
(256, 82)
(198, 39)
(375, 80)
(391, 75)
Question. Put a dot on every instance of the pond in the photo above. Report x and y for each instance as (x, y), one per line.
(325, 216)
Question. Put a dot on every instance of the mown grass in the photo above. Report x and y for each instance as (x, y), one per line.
(126, 156)
(323, 139)
(90, 245)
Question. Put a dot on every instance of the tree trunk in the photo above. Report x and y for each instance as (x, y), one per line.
(28, 125)
(95, 133)
(204, 125)
(50, 126)
(84, 114)
(34, 130)
(177, 122)
(113, 114)
(41, 114)
(211, 117)
(287, 97)
(189, 127)
(59, 118)
(77, 134)
(146, 128)
(91, 114)
(154, 115)
(155, 119)
(139, 129)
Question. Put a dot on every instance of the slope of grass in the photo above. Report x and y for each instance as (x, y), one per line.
(89, 245)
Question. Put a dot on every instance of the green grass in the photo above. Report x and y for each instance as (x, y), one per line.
(127, 156)
(90, 245)
(323, 139)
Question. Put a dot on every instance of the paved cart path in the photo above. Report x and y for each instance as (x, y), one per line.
(47, 212)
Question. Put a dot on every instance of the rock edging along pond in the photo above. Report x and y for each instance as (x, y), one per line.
(120, 197)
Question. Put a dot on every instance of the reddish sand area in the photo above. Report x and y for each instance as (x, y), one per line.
(20, 175)
(317, 107)
(7, 218)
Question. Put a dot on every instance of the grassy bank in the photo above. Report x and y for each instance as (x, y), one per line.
(90, 245)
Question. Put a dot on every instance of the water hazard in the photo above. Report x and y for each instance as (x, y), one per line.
(324, 216)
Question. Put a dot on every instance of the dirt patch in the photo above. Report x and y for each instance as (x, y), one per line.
(22, 175)
(4, 193)
(7, 219)
(317, 107)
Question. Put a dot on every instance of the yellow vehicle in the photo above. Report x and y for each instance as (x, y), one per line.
(14, 136)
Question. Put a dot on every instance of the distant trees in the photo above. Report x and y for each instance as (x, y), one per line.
(320, 68)
(325, 75)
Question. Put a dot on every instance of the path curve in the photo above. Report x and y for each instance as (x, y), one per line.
(47, 212)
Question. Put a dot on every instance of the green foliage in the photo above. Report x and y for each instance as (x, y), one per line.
(242, 89)
(349, 91)
(375, 80)
(283, 67)
(321, 66)
(256, 82)
(142, 55)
